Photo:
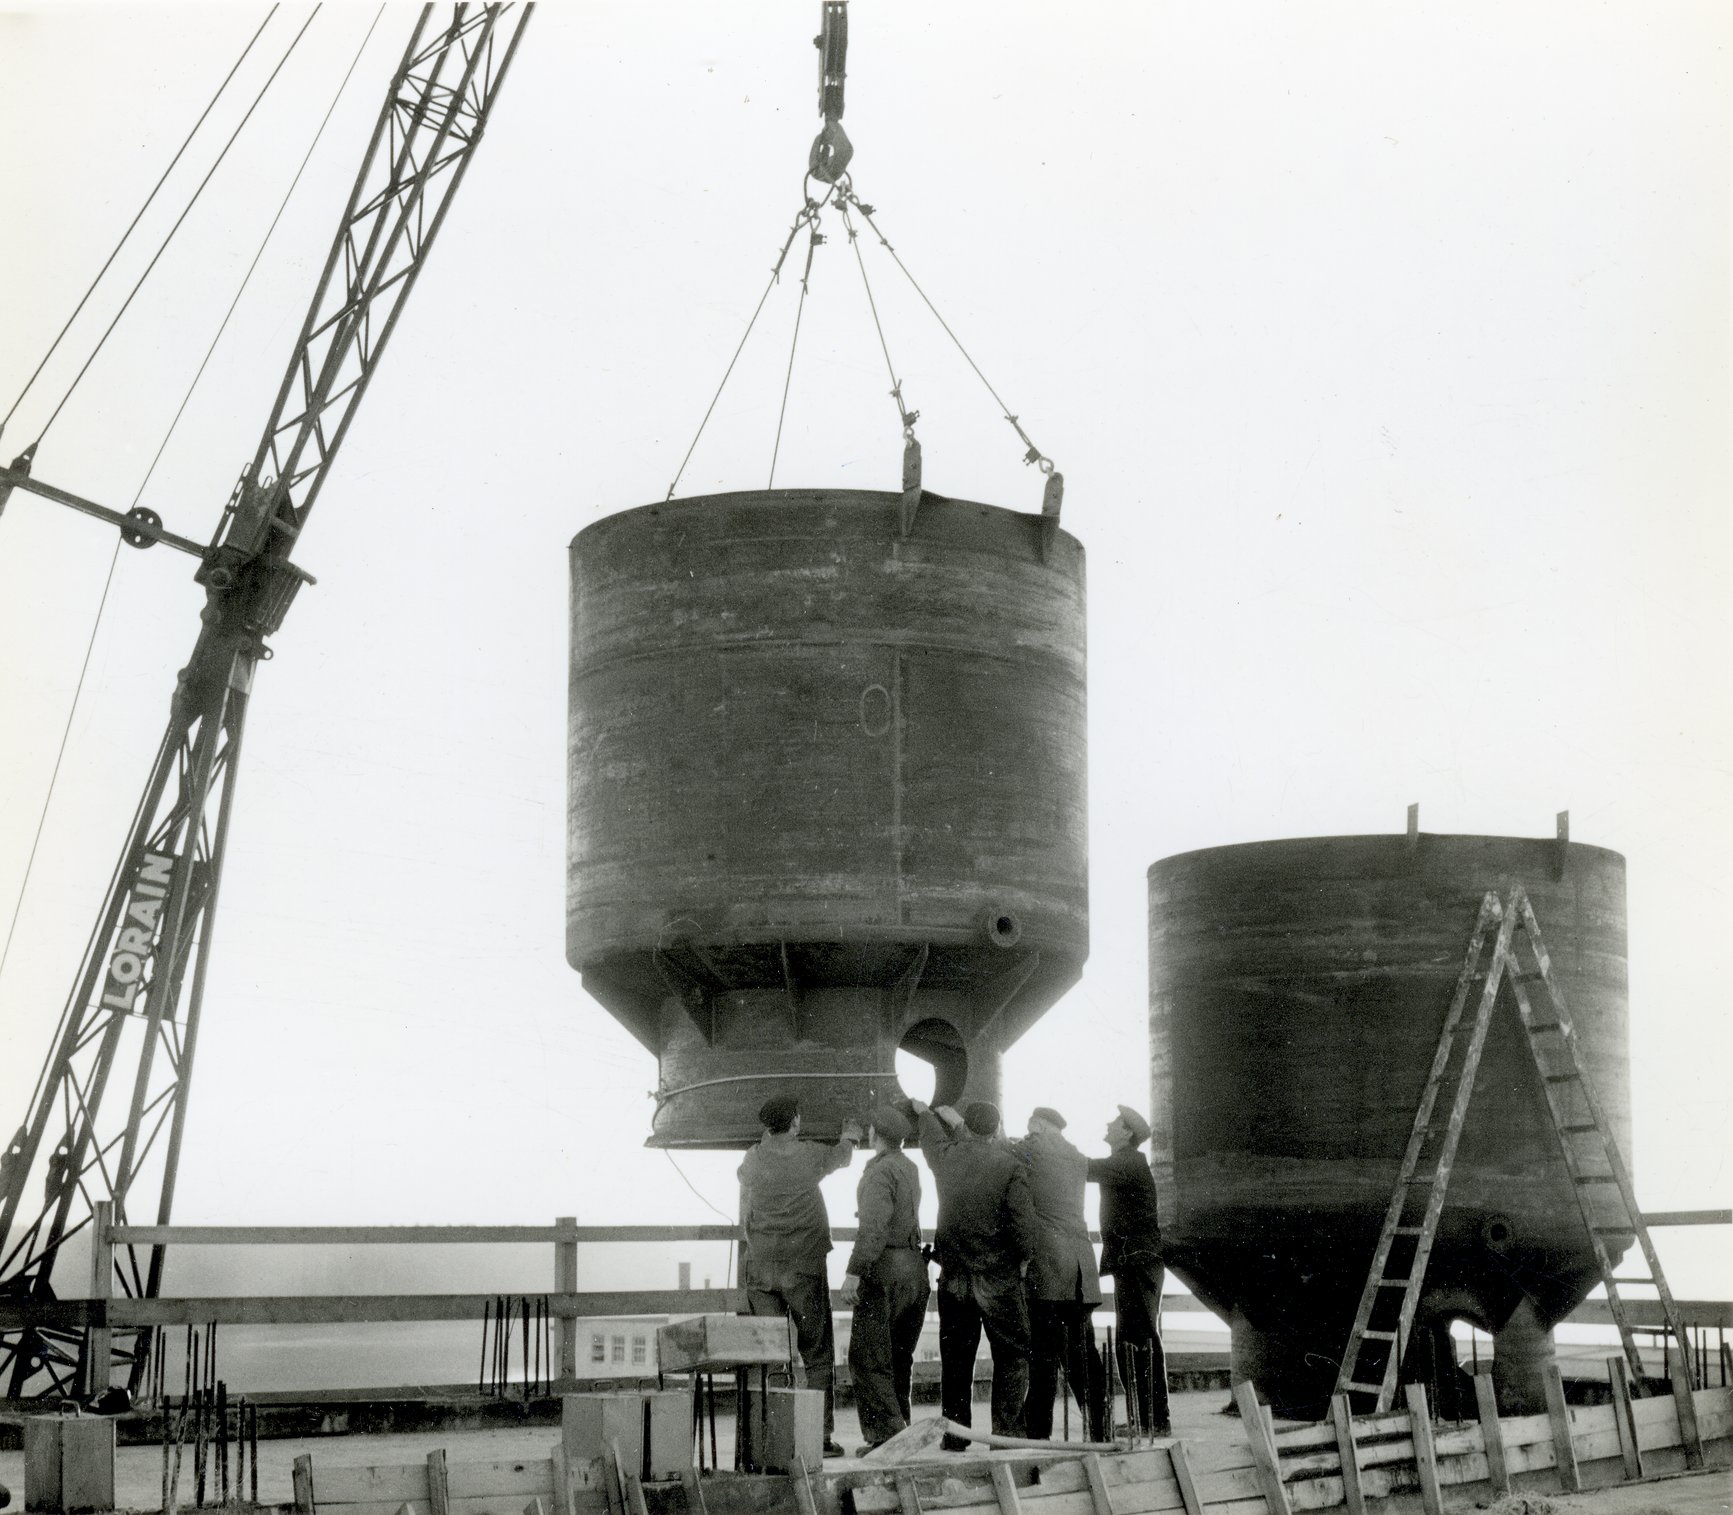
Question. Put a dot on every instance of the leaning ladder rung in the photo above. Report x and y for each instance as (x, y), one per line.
(1394, 1283)
(1564, 1078)
(1597, 1178)
(1579, 1130)
(1612, 1230)
(1621, 1282)
(1377, 1336)
(1547, 1026)
(1363, 1388)
(1407, 1230)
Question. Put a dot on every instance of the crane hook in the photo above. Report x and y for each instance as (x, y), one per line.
(831, 149)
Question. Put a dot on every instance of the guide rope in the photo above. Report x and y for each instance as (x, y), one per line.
(77, 379)
(54, 345)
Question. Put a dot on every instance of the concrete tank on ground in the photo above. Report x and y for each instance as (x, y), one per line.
(1297, 992)
(826, 794)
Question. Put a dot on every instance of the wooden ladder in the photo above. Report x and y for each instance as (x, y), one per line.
(1392, 1294)
(1379, 1337)
(1590, 1154)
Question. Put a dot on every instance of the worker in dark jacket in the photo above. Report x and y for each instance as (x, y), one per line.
(987, 1232)
(785, 1236)
(1131, 1252)
(1062, 1282)
(887, 1281)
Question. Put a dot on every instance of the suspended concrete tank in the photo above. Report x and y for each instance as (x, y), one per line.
(826, 794)
(1297, 992)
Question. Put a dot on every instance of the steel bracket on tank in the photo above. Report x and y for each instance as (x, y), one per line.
(696, 997)
(994, 997)
(911, 500)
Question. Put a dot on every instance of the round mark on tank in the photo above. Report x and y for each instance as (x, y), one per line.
(875, 710)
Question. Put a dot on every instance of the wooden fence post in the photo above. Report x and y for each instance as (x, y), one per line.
(1342, 1418)
(100, 1339)
(1425, 1456)
(1619, 1379)
(1689, 1436)
(303, 1476)
(1564, 1449)
(1491, 1436)
(566, 1282)
(1263, 1446)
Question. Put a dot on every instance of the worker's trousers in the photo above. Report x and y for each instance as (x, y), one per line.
(1142, 1363)
(888, 1317)
(1063, 1332)
(805, 1299)
(966, 1307)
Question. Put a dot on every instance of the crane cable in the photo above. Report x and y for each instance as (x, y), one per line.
(156, 257)
(78, 690)
(179, 152)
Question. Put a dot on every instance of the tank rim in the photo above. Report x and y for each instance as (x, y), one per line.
(883, 498)
(1389, 838)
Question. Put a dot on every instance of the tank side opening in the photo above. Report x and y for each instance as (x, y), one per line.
(932, 1064)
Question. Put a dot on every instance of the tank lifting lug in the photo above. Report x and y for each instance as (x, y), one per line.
(911, 501)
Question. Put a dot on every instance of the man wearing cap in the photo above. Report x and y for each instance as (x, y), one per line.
(785, 1235)
(987, 1232)
(1131, 1252)
(886, 1282)
(1063, 1285)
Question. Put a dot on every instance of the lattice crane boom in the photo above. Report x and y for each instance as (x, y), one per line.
(125, 1019)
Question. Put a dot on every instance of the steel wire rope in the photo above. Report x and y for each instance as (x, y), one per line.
(42, 819)
(48, 799)
(908, 418)
(264, 242)
(794, 342)
(1034, 455)
(808, 212)
(52, 346)
(179, 221)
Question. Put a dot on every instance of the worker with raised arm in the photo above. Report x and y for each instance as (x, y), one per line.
(785, 1238)
(1131, 1252)
(1064, 1287)
(887, 1281)
(986, 1234)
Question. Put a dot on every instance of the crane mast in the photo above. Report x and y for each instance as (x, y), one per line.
(108, 1116)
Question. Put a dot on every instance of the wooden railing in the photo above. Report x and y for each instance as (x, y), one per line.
(103, 1313)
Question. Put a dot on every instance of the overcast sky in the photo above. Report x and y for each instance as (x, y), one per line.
(1384, 349)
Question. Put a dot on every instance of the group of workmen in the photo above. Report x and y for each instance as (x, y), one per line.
(1014, 1254)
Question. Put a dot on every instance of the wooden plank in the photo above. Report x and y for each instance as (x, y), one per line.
(1491, 1434)
(1181, 1463)
(1342, 1421)
(908, 1500)
(397, 1483)
(1005, 1490)
(339, 1309)
(1559, 1415)
(303, 1481)
(1100, 1500)
(1323, 1434)
(1262, 1445)
(1619, 1377)
(1689, 1435)
(1425, 1460)
(590, 1503)
(518, 1477)
(438, 1489)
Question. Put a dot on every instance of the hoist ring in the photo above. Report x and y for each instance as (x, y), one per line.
(831, 150)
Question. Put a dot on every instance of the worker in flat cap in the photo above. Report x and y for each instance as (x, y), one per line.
(987, 1233)
(887, 1280)
(1062, 1283)
(1131, 1252)
(785, 1236)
